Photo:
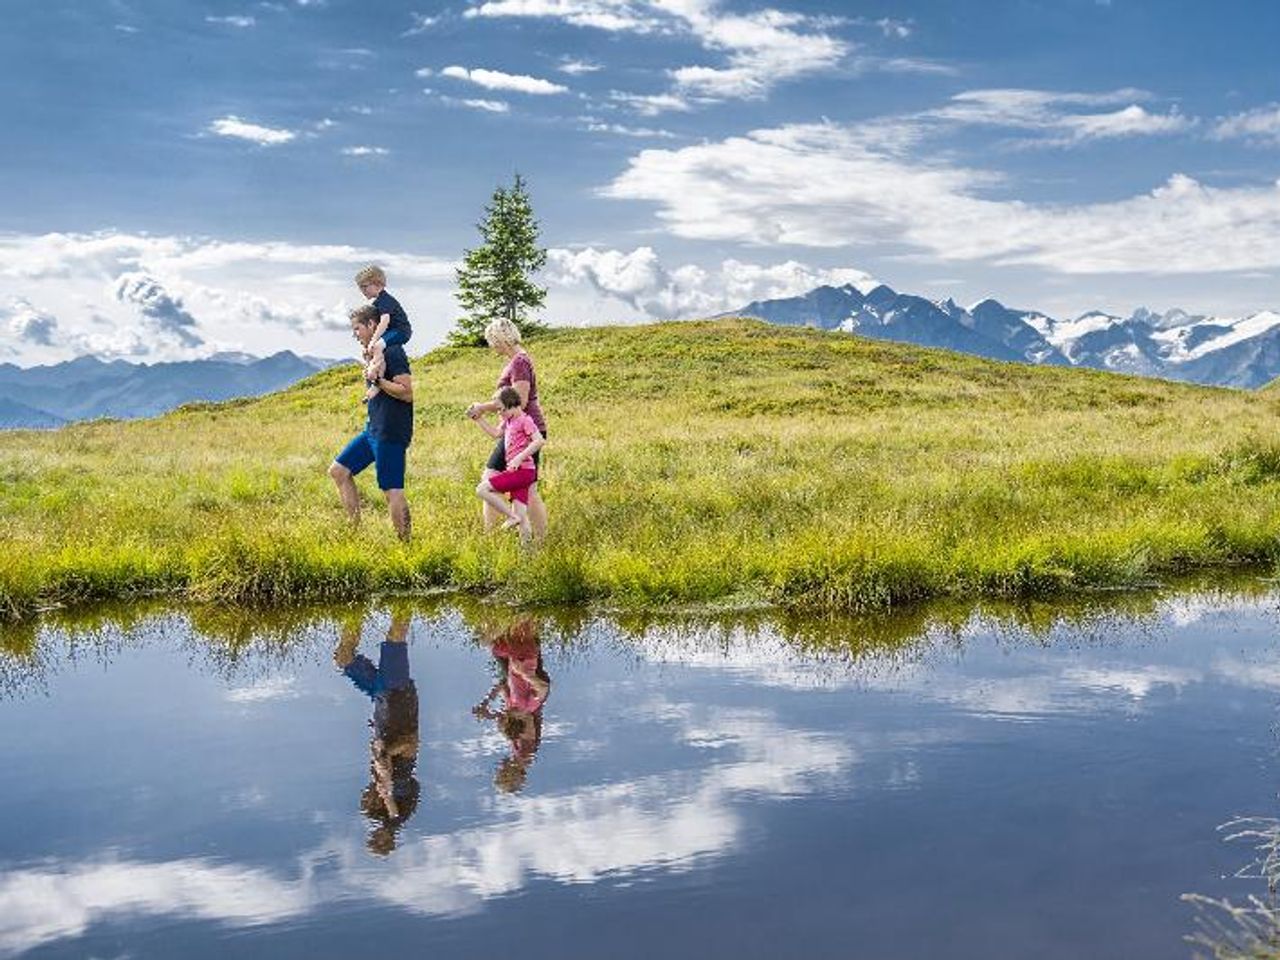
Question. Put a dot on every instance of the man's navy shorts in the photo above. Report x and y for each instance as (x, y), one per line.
(388, 457)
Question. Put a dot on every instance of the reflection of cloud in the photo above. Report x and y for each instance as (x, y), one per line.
(42, 905)
(666, 821)
(268, 688)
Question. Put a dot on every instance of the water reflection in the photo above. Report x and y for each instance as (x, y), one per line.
(523, 685)
(689, 767)
(392, 794)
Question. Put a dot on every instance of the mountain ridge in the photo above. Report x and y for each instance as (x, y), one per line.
(1175, 345)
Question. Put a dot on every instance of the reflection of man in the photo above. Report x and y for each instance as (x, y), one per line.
(524, 685)
(392, 794)
(385, 440)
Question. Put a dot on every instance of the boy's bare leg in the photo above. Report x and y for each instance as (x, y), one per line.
(347, 491)
(399, 507)
(374, 370)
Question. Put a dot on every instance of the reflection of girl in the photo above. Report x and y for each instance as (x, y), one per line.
(524, 685)
(392, 794)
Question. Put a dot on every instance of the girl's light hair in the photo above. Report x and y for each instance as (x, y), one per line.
(502, 333)
(371, 274)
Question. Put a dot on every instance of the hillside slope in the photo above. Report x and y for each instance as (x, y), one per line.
(726, 461)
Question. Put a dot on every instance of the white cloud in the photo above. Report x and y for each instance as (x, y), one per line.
(489, 106)
(760, 49)
(232, 21)
(650, 105)
(233, 126)
(31, 324)
(899, 29)
(1056, 114)
(611, 15)
(826, 185)
(639, 279)
(1261, 124)
(266, 296)
(594, 125)
(421, 24)
(364, 151)
(497, 80)
(578, 67)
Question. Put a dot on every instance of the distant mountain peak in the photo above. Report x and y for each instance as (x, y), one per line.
(1242, 352)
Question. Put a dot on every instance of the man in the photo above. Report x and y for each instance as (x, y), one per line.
(386, 437)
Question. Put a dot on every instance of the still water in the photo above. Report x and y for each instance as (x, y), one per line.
(467, 783)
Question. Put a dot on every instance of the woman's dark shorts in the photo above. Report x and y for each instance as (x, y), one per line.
(498, 459)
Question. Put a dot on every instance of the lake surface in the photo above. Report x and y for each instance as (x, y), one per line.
(1036, 783)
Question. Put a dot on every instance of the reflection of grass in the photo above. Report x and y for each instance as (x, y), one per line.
(728, 463)
(1248, 930)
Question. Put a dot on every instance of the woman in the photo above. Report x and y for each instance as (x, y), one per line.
(504, 337)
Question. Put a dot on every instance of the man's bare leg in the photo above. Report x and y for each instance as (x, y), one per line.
(399, 507)
(347, 491)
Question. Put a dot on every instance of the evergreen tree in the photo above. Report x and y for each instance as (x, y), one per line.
(495, 279)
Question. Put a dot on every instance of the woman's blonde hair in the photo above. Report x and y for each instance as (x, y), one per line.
(502, 333)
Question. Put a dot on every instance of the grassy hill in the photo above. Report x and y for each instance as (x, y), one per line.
(725, 461)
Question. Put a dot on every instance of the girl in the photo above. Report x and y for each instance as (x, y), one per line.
(521, 440)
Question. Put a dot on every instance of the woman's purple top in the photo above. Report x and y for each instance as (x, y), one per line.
(520, 367)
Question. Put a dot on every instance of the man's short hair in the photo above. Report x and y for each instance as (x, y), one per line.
(509, 397)
(371, 274)
(364, 314)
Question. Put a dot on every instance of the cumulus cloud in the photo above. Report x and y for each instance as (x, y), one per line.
(497, 80)
(154, 302)
(31, 324)
(826, 185)
(639, 279)
(237, 129)
(263, 296)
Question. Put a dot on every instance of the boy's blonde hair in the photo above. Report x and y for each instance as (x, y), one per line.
(502, 332)
(371, 274)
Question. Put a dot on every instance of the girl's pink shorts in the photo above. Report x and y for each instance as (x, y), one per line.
(515, 482)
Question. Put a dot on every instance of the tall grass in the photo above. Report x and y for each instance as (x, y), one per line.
(728, 463)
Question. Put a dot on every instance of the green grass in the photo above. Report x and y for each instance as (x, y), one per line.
(729, 464)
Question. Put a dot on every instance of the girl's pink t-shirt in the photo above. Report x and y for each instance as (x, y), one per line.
(518, 434)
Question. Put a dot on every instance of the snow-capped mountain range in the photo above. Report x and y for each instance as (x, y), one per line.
(1224, 351)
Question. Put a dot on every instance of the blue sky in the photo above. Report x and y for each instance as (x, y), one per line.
(186, 177)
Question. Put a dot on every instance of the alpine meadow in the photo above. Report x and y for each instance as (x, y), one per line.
(759, 466)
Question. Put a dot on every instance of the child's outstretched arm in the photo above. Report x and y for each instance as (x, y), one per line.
(489, 428)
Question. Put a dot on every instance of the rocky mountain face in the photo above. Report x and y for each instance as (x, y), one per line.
(1234, 352)
(85, 388)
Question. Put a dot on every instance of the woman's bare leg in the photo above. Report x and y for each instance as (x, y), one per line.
(537, 513)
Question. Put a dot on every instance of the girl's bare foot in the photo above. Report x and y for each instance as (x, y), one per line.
(510, 523)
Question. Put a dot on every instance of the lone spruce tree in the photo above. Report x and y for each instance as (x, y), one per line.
(495, 279)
